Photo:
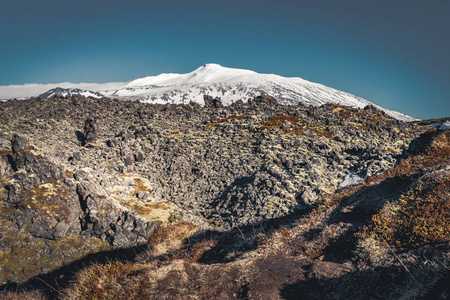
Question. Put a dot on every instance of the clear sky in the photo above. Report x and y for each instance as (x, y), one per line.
(391, 52)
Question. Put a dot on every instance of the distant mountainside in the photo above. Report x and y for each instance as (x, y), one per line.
(229, 84)
(60, 92)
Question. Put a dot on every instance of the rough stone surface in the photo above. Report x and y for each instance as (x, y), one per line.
(106, 171)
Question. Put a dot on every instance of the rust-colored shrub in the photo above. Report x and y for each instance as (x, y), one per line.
(440, 147)
(285, 234)
(421, 216)
(232, 117)
(277, 121)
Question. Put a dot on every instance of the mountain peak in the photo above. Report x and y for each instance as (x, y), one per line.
(212, 66)
(68, 92)
(217, 69)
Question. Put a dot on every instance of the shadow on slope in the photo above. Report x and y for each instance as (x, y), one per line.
(379, 283)
(357, 211)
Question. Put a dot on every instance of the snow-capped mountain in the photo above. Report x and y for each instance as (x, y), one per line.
(28, 90)
(234, 84)
(227, 83)
(60, 92)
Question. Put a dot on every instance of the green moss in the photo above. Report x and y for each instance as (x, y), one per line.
(51, 198)
(161, 212)
(77, 242)
(25, 257)
(294, 126)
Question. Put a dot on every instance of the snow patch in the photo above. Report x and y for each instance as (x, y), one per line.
(351, 179)
(442, 126)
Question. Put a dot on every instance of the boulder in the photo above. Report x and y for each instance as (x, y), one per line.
(264, 99)
(90, 131)
(211, 102)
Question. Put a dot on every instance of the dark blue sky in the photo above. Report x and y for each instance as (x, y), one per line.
(394, 53)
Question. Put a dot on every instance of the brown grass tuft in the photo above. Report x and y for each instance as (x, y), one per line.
(114, 280)
(421, 216)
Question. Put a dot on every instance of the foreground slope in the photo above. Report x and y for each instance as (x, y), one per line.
(242, 201)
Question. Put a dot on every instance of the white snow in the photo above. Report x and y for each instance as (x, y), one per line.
(445, 125)
(212, 79)
(351, 179)
(60, 92)
(35, 89)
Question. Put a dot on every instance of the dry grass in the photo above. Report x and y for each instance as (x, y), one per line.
(270, 273)
(184, 280)
(192, 253)
(169, 238)
(141, 185)
(421, 216)
(114, 280)
(180, 280)
(25, 295)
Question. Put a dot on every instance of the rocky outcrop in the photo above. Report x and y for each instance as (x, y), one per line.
(90, 132)
(46, 206)
(102, 217)
(39, 189)
(211, 102)
(264, 99)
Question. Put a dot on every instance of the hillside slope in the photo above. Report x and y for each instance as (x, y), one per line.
(219, 202)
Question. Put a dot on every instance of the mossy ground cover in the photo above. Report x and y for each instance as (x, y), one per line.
(26, 256)
(292, 125)
(50, 198)
(420, 216)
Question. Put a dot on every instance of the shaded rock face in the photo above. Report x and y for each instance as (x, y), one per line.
(140, 165)
(212, 102)
(264, 99)
(40, 190)
(100, 216)
(18, 144)
(46, 206)
(90, 132)
(60, 206)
